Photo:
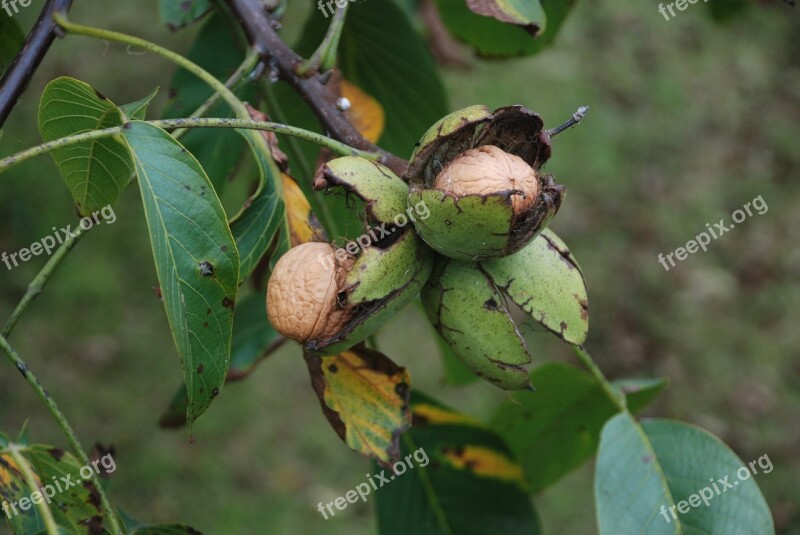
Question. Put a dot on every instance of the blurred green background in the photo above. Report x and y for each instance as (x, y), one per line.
(690, 120)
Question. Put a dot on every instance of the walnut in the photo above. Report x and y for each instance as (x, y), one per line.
(303, 291)
(489, 170)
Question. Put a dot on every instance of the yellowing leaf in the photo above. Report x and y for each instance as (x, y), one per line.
(303, 224)
(365, 113)
(365, 397)
(434, 415)
(485, 462)
(9, 471)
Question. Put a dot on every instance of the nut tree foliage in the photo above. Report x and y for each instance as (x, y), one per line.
(453, 209)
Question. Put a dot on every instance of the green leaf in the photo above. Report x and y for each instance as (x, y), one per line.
(217, 50)
(462, 479)
(261, 225)
(178, 13)
(557, 12)
(644, 470)
(640, 393)
(11, 41)
(96, 171)
(74, 508)
(690, 458)
(383, 54)
(545, 280)
(557, 428)
(492, 38)
(138, 109)
(196, 258)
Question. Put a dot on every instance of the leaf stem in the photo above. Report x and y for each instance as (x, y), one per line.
(577, 117)
(246, 124)
(614, 395)
(30, 479)
(108, 35)
(38, 283)
(72, 438)
(247, 66)
(324, 58)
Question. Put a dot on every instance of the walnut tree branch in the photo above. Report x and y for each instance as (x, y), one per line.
(24, 66)
(322, 101)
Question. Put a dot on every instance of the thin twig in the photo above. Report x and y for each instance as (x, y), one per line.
(22, 69)
(577, 117)
(200, 122)
(324, 57)
(258, 26)
(614, 395)
(247, 66)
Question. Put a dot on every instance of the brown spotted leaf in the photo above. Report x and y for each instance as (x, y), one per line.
(365, 397)
(73, 499)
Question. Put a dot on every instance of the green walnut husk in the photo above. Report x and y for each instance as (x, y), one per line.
(384, 275)
(473, 306)
(490, 224)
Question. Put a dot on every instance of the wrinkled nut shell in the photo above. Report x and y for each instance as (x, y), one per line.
(487, 170)
(302, 293)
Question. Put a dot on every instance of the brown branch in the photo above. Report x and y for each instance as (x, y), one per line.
(322, 101)
(19, 74)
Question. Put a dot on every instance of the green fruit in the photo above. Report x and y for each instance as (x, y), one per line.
(479, 173)
(471, 306)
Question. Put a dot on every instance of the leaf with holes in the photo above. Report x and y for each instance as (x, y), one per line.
(364, 395)
(196, 258)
